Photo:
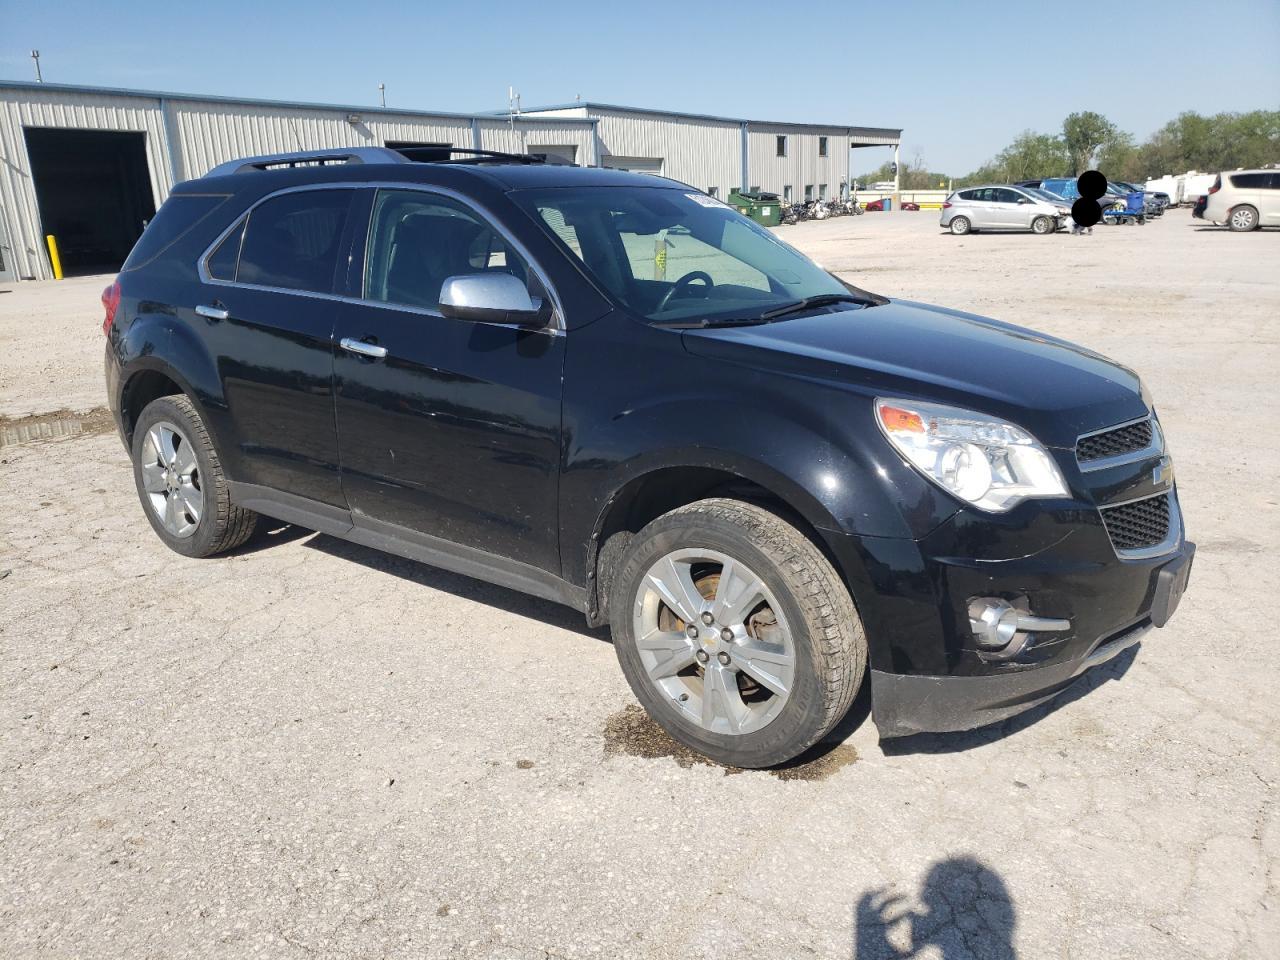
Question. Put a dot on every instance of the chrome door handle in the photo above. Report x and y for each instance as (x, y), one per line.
(212, 313)
(362, 348)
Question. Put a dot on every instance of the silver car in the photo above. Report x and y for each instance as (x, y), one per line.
(1003, 207)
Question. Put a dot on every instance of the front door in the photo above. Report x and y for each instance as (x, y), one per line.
(1006, 212)
(454, 432)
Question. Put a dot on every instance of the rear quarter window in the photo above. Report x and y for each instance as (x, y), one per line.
(174, 220)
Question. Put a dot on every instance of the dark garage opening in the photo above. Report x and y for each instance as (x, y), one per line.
(94, 192)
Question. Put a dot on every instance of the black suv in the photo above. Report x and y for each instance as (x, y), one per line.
(613, 391)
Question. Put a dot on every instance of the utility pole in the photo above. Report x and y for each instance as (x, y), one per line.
(382, 93)
(35, 55)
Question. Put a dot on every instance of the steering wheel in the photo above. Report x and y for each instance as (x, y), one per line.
(683, 284)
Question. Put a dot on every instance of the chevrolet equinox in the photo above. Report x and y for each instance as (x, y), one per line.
(612, 391)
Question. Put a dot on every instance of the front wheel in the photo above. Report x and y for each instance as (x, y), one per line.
(735, 633)
(1042, 225)
(180, 481)
(1243, 219)
(960, 226)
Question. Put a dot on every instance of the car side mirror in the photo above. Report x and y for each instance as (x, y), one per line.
(1023, 200)
(491, 298)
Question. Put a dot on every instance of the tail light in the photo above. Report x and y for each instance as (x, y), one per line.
(946, 204)
(110, 303)
(1217, 184)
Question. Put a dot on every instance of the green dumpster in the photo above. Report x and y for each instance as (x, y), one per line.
(764, 208)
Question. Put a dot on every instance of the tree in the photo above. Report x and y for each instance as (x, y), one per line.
(1118, 158)
(1190, 141)
(1083, 134)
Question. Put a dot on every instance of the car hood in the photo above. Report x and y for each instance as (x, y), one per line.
(1054, 388)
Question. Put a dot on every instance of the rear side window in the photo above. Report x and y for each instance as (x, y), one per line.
(172, 221)
(1251, 181)
(222, 262)
(291, 241)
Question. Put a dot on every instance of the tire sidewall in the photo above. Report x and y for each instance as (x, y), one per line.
(1041, 225)
(803, 712)
(200, 542)
(960, 233)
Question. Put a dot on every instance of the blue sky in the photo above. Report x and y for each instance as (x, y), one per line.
(961, 79)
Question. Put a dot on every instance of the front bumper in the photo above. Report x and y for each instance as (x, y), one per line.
(904, 704)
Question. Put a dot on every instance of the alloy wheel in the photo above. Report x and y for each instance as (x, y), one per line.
(1242, 219)
(171, 479)
(712, 637)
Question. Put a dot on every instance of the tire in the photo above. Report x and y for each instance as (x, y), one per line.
(763, 681)
(180, 482)
(960, 226)
(1243, 218)
(1042, 226)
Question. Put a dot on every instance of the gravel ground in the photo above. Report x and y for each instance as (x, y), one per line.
(311, 749)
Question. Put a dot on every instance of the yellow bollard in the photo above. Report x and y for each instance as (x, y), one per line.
(53, 256)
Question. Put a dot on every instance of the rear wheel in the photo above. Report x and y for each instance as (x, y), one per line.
(180, 481)
(1042, 225)
(735, 633)
(960, 226)
(1243, 218)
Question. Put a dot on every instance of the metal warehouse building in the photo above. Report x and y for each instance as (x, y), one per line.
(90, 165)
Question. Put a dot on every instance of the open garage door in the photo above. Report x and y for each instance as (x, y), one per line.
(94, 192)
(634, 164)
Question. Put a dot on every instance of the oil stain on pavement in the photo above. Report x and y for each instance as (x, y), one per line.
(632, 732)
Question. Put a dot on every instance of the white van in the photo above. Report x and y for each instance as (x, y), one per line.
(1245, 199)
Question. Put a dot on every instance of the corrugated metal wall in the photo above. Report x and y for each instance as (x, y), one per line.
(802, 166)
(205, 133)
(701, 153)
(705, 152)
(210, 133)
(23, 108)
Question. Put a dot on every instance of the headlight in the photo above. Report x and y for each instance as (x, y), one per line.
(989, 463)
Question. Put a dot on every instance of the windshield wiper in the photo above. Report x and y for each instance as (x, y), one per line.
(821, 300)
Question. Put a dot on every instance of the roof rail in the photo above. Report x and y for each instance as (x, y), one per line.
(309, 158)
(444, 154)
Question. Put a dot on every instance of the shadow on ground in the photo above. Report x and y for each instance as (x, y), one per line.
(967, 914)
(512, 601)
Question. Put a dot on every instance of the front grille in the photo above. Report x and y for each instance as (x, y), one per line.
(1142, 523)
(1114, 443)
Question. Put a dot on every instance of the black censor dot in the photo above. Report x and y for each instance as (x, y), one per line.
(1086, 211)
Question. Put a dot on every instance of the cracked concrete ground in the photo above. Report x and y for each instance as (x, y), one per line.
(311, 749)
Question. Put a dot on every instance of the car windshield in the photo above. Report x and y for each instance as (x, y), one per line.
(672, 255)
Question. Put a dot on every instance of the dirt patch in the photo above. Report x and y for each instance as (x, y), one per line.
(632, 732)
(54, 426)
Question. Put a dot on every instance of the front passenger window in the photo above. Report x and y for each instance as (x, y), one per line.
(418, 240)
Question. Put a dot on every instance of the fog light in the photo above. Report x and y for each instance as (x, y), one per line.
(1001, 630)
(994, 622)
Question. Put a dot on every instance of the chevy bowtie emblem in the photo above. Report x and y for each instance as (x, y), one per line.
(1163, 473)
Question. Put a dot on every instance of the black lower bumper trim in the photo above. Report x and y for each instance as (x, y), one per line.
(904, 704)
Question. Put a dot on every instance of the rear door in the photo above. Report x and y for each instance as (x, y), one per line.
(454, 432)
(269, 311)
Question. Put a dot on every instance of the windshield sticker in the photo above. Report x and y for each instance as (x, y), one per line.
(702, 200)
